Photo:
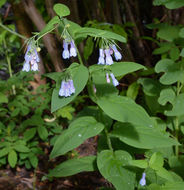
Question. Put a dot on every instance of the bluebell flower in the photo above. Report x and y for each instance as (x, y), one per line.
(26, 67)
(67, 88)
(31, 59)
(108, 58)
(101, 60)
(65, 53)
(107, 78)
(142, 182)
(73, 51)
(71, 86)
(114, 80)
(117, 54)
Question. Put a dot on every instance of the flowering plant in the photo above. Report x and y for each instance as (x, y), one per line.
(124, 127)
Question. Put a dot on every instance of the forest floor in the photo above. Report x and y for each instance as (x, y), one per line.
(23, 179)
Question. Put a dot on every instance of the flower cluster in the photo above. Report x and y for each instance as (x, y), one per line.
(66, 53)
(31, 59)
(142, 182)
(67, 88)
(105, 55)
(114, 80)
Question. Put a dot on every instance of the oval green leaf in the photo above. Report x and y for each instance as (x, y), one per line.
(78, 131)
(61, 9)
(74, 166)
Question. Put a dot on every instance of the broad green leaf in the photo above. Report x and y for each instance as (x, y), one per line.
(168, 32)
(140, 136)
(156, 160)
(98, 114)
(166, 95)
(42, 131)
(79, 81)
(174, 4)
(88, 49)
(176, 164)
(139, 163)
(162, 172)
(61, 9)
(110, 165)
(133, 90)
(3, 98)
(165, 47)
(173, 72)
(101, 85)
(29, 134)
(151, 87)
(173, 186)
(174, 53)
(12, 158)
(170, 4)
(124, 68)
(178, 106)
(21, 148)
(74, 166)
(97, 33)
(124, 109)
(4, 152)
(79, 130)
(160, 2)
(153, 187)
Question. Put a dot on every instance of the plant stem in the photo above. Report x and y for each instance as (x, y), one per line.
(179, 87)
(176, 135)
(9, 65)
(108, 140)
(13, 32)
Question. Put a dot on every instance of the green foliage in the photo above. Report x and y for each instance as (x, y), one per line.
(61, 10)
(150, 127)
(170, 4)
(79, 83)
(79, 130)
(74, 166)
(112, 166)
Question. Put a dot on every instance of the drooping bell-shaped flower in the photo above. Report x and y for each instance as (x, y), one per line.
(31, 59)
(142, 182)
(101, 60)
(73, 52)
(26, 67)
(65, 53)
(71, 86)
(107, 78)
(117, 54)
(67, 88)
(114, 80)
(108, 58)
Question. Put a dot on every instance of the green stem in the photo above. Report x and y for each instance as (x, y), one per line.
(108, 140)
(179, 87)
(79, 56)
(13, 32)
(9, 65)
(176, 135)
